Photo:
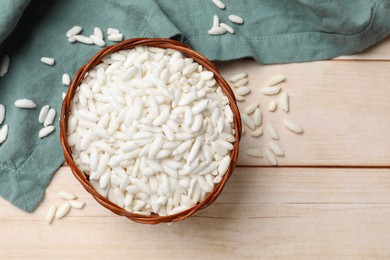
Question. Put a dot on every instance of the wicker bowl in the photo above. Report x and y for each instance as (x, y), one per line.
(83, 179)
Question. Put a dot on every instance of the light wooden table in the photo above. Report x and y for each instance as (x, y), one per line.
(328, 198)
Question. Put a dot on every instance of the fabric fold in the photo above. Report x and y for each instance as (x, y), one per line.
(10, 13)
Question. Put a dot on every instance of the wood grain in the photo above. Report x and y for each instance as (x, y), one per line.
(263, 213)
(342, 106)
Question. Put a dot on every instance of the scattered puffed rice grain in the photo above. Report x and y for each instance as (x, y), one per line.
(217, 31)
(63, 95)
(269, 91)
(98, 32)
(238, 77)
(272, 132)
(284, 101)
(257, 117)
(63, 210)
(293, 127)
(25, 103)
(275, 80)
(74, 31)
(46, 131)
(272, 106)
(219, 4)
(77, 204)
(51, 115)
(227, 27)
(239, 98)
(43, 113)
(66, 195)
(97, 41)
(4, 65)
(276, 149)
(254, 152)
(72, 39)
(115, 37)
(243, 91)
(251, 108)
(51, 214)
(2, 113)
(48, 61)
(3, 134)
(215, 21)
(271, 158)
(65, 79)
(248, 121)
(112, 31)
(236, 19)
(83, 39)
(258, 132)
(241, 82)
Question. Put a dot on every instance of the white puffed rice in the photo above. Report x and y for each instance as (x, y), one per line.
(236, 19)
(145, 126)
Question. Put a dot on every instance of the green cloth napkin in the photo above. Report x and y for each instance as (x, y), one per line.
(274, 32)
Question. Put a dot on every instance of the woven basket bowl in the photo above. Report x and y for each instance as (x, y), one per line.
(83, 179)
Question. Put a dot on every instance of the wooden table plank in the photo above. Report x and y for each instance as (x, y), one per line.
(342, 106)
(262, 213)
